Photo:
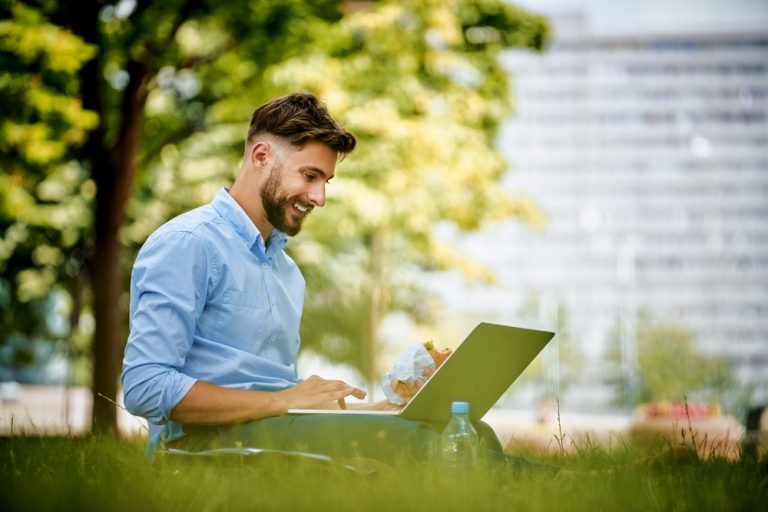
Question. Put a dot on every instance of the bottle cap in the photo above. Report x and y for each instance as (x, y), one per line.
(460, 407)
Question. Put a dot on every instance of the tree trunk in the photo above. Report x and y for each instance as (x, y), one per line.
(114, 184)
(82, 17)
(107, 334)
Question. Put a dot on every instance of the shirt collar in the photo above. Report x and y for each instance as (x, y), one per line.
(234, 215)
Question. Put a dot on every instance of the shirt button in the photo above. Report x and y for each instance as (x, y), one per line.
(273, 338)
(264, 266)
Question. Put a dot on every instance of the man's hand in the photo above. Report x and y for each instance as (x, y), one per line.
(316, 392)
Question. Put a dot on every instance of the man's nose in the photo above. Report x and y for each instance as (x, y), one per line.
(317, 195)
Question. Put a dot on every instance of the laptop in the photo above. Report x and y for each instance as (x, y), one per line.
(479, 371)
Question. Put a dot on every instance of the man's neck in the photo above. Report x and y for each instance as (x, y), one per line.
(253, 209)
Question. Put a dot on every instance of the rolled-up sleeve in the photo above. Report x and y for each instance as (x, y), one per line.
(169, 284)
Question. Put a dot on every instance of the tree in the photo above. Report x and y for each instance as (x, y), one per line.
(669, 367)
(45, 193)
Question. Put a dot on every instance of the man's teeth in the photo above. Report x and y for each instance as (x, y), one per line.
(302, 209)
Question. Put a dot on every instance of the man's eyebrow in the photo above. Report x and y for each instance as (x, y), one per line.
(317, 170)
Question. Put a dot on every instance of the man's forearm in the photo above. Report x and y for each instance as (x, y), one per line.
(208, 404)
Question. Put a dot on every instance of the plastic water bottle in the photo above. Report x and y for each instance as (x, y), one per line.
(458, 441)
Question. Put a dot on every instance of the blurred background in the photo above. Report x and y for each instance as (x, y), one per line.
(595, 168)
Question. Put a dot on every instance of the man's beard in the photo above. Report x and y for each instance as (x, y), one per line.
(276, 206)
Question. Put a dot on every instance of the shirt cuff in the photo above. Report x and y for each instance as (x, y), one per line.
(173, 392)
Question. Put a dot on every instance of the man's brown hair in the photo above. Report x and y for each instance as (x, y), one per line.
(300, 118)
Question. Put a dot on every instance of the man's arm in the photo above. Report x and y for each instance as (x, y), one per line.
(169, 283)
(208, 404)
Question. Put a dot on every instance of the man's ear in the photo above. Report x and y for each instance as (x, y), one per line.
(260, 154)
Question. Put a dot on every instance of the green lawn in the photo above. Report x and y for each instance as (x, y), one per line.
(91, 473)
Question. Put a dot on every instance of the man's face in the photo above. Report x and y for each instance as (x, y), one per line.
(296, 185)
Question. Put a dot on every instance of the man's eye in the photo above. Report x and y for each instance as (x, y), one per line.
(309, 177)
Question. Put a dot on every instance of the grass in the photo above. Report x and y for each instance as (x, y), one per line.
(97, 473)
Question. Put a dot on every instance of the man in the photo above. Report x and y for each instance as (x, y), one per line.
(216, 305)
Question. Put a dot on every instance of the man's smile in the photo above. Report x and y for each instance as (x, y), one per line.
(303, 209)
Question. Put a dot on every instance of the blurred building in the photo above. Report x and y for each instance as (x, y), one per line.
(649, 154)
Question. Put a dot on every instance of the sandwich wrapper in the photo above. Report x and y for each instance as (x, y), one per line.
(409, 367)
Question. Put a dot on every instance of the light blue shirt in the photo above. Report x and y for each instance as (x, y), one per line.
(209, 301)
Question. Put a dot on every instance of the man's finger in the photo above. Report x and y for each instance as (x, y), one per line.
(343, 393)
(342, 403)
